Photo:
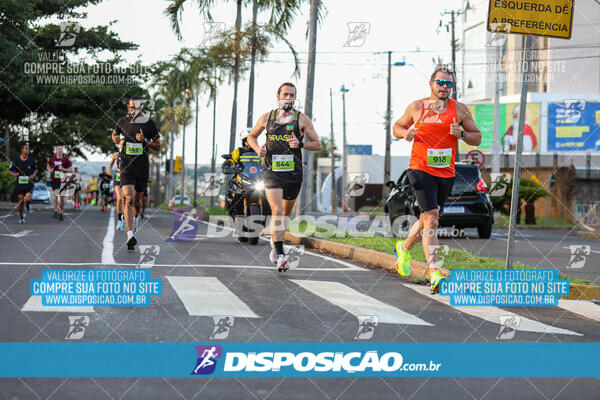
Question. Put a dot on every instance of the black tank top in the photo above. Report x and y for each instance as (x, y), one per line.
(282, 163)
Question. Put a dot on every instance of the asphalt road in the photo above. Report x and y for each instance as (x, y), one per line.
(314, 302)
(535, 247)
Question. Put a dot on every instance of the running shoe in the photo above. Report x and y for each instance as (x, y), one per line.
(22, 220)
(403, 264)
(60, 217)
(282, 263)
(435, 277)
(55, 216)
(131, 242)
(273, 255)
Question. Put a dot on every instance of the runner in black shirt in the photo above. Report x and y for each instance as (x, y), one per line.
(104, 183)
(282, 162)
(135, 134)
(23, 169)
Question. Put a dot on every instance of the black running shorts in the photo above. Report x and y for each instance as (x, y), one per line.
(290, 190)
(431, 191)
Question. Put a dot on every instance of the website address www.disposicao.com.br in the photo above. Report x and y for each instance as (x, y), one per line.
(369, 361)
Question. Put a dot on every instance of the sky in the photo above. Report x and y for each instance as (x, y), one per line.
(410, 30)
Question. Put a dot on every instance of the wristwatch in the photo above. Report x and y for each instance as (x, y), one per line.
(463, 134)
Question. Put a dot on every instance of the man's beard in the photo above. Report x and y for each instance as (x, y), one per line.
(286, 105)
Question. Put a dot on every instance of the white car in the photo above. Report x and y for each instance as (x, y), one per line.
(41, 193)
(177, 200)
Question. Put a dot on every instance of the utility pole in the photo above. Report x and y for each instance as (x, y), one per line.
(212, 160)
(514, 201)
(307, 188)
(250, 119)
(345, 149)
(331, 147)
(453, 14)
(496, 132)
(236, 76)
(196, 156)
(388, 135)
(172, 161)
(187, 93)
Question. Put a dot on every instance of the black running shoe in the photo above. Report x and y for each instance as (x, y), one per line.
(131, 243)
(60, 217)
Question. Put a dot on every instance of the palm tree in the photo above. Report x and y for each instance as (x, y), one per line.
(174, 10)
(200, 68)
(170, 81)
(282, 13)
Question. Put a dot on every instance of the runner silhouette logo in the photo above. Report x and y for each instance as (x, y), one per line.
(207, 359)
(223, 324)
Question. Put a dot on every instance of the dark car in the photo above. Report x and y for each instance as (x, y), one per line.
(468, 205)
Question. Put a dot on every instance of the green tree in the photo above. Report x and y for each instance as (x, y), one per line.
(46, 113)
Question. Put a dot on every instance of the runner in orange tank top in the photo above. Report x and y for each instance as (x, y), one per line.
(434, 125)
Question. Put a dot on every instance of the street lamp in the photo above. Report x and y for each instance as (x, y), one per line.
(344, 90)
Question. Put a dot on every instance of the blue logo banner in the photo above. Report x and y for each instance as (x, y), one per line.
(297, 359)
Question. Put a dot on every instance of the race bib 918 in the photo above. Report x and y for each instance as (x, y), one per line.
(439, 158)
(133, 149)
(282, 162)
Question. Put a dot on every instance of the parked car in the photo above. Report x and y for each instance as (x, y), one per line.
(177, 200)
(41, 194)
(468, 205)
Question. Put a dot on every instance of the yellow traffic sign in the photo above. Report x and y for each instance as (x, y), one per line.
(551, 18)
(177, 166)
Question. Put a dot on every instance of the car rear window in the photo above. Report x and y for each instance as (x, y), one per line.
(465, 180)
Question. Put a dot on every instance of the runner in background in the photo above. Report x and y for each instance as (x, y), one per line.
(117, 186)
(23, 169)
(58, 166)
(77, 193)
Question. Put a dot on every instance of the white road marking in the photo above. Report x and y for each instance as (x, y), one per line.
(207, 296)
(581, 307)
(349, 266)
(273, 268)
(359, 304)
(35, 304)
(26, 232)
(491, 314)
(107, 244)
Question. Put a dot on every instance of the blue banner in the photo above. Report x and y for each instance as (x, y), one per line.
(574, 125)
(504, 288)
(295, 359)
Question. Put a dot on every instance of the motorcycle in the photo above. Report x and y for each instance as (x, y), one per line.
(246, 198)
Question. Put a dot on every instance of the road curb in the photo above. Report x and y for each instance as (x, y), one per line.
(387, 261)
(361, 255)
(589, 235)
(538, 228)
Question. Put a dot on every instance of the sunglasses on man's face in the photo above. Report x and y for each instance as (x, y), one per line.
(444, 82)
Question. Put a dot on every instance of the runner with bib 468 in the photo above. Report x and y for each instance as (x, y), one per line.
(435, 124)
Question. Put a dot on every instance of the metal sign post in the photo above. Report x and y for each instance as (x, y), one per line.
(514, 201)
